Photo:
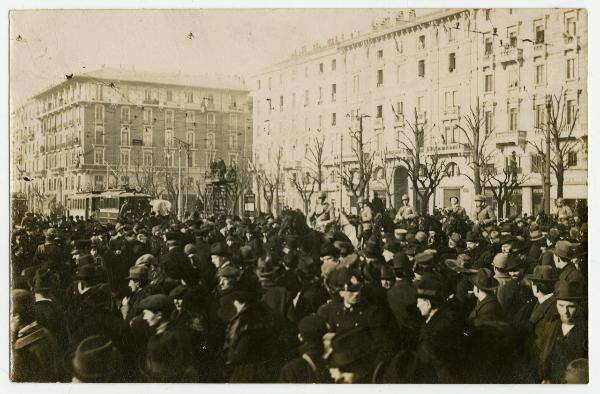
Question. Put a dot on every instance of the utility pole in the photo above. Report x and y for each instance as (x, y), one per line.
(547, 169)
(179, 195)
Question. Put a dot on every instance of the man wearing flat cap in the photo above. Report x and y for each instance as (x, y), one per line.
(169, 352)
(310, 366)
(565, 337)
(563, 253)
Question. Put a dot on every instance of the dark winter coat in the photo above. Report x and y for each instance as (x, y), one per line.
(558, 350)
(35, 356)
(488, 310)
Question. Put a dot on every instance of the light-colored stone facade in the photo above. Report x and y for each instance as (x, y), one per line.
(440, 64)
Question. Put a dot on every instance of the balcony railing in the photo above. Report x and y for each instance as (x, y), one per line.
(516, 137)
(511, 55)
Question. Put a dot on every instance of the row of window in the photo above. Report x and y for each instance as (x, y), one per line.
(169, 140)
(170, 158)
(451, 131)
(169, 117)
(539, 77)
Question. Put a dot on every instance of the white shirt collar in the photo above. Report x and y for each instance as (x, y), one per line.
(544, 298)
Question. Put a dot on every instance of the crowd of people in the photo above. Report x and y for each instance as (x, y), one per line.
(443, 298)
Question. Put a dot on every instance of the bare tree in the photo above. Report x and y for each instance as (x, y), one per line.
(357, 174)
(147, 177)
(559, 125)
(478, 137)
(503, 186)
(425, 170)
(201, 194)
(316, 159)
(243, 180)
(269, 182)
(305, 185)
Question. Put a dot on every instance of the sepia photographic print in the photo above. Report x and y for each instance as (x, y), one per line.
(298, 195)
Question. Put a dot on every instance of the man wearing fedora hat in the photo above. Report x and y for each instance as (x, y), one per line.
(96, 360)
(353, 358)
(48, 312)
(534, 315)
(488, 308)
(565, 337)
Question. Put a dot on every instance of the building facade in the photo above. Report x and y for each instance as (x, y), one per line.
(434, 67)
(116, 127)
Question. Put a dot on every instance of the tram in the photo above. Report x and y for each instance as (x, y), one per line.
(108, 205)
(117, 202)
(84, 205)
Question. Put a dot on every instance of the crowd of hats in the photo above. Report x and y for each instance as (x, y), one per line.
(266, 251)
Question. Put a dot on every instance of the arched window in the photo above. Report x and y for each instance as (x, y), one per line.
(452, 169)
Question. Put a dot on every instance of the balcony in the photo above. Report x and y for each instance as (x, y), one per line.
(507, 138)
(510, 55)
(571, 42)
(539, 48)
(399, 122)
(150, 101)
(422, 117)
(451, 149)
(452, 112)
(378, 123)
(488, 58)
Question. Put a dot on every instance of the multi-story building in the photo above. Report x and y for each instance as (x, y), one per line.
(115, 127)
(435, 67)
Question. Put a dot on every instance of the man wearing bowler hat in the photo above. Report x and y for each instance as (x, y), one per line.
(565, 337)
(440, 339)
(402, 298)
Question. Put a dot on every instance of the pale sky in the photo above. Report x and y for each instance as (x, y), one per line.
(239, 41)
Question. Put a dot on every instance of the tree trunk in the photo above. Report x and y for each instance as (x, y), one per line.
(500, 209)
(560, 179)
(306, 203)
(477, 179)
(424, 204)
